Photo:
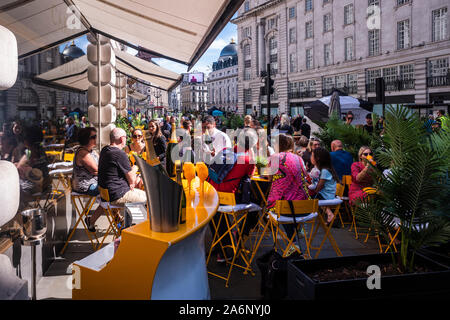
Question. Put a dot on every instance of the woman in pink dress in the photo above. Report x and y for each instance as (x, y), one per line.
(287, 182)
(361, 177)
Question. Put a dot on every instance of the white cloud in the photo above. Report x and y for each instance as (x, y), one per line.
(218, 44)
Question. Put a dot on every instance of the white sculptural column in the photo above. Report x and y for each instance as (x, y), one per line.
(102, 91)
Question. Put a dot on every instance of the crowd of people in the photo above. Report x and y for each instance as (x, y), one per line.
(305, 167)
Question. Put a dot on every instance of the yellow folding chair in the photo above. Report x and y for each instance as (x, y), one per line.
(334, 205)
(83, 204)
(238, 216)
(68, 157)
(305, 211)
(347, 182)
(113, 219)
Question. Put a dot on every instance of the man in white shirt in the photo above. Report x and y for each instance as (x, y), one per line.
(219, 139)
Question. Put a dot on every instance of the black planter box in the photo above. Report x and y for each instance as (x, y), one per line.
(419, 285)
(438, 254)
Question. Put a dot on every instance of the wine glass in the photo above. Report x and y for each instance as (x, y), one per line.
(189, 173)
(202, 173)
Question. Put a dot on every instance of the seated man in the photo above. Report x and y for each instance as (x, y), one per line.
(341, 160)
(115, 172)
(238, 181)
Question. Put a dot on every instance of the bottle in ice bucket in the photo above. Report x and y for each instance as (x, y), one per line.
(170, 164)
(152, 158)
(178, 170)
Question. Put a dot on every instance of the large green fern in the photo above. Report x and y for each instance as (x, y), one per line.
(411, 196)
(352, 137)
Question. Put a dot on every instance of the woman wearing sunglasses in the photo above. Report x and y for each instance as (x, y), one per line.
(137, 142)
(361, 177)
(85, 170)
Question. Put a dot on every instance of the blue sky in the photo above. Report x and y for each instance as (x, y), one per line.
(203, 65)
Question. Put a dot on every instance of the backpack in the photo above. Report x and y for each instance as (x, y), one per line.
(221, 165)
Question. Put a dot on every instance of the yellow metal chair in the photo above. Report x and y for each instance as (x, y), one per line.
(68, 157)
(335, 206)
(347, 182)
(113, 218)
(83, 204)
(305, 211)
(372, 192)
(238, 216)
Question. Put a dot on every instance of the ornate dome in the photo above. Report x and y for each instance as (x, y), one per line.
(229, 51)
(72, 52)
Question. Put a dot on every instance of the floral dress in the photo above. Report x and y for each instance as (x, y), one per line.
(288, 182)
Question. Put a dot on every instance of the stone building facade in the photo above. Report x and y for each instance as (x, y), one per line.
(223, 80)
(28, 101)
(194, 96)
(313, 46)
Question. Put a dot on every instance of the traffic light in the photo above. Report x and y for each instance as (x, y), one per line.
(262, 91)
(270, 82)
(380, 89)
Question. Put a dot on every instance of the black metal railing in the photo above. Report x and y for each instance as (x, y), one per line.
(302, 94)
(347, 90)
(396, 85)
(439, 81)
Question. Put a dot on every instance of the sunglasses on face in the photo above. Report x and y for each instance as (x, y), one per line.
(93, 137)
(368, 154)
(137, 136)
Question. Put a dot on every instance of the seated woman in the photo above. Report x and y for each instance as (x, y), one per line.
(137, 142)
(85, 170)
(32, 167)
(361, 177)
(158, 141)
(289, 182)
(325, 186)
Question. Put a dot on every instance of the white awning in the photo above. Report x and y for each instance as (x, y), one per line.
(172, 29)
(73, 75)
(137, 95)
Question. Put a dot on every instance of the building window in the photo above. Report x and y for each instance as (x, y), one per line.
(246, 32)
(309, 59)
(246, 51)
(247, 74)
(348, 48)
(291, 12)
(247, 63)
(272, 23)
(438, 73)
(246, 6)
(439, 24)
(308, 5)
(292, 35)
(326, 1)
(402, 2)
(348, 14)
(272, 44)
(292, 62)
(372, 4)
(309, 30)
(407, 72)
(327, 22)
(403, 36)
(327, 54)
(374, 42)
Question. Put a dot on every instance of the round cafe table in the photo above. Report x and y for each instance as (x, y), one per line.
(152, 265)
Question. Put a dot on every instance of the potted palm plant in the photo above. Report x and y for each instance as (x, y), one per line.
(410, 197)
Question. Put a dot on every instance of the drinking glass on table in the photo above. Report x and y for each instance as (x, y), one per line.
(202, 173)
(189, 173)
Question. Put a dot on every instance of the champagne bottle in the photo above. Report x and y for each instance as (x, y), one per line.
(152, 158)
(170, 163)
(178, 169)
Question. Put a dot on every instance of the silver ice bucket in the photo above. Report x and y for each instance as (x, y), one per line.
(34, 223)
(163, 198)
